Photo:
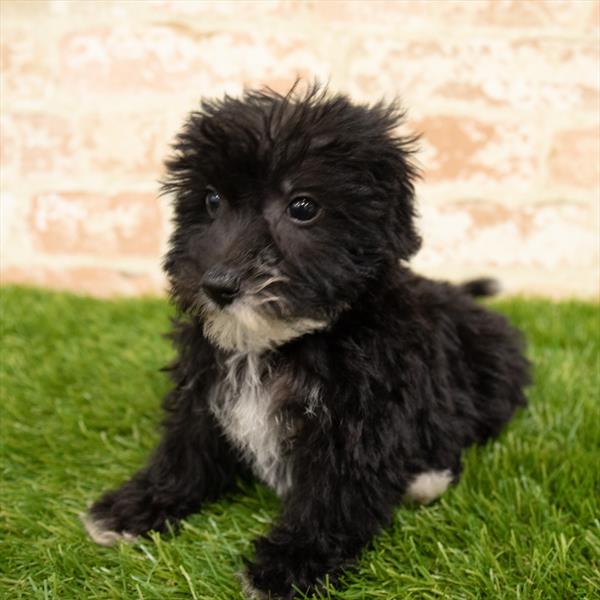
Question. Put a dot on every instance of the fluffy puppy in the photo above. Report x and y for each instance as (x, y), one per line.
(308, 353)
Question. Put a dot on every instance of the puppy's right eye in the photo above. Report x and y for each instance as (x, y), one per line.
(212, 201)
(303, 209)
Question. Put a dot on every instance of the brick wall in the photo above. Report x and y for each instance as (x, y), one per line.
(506, 94)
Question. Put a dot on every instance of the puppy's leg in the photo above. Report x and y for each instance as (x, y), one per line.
(325, 523)
(191, 464)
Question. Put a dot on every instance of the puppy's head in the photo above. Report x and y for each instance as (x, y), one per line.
(287, 209)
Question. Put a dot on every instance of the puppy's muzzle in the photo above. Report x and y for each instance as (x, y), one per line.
(222, 286)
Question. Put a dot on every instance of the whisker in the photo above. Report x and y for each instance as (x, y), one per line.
(268, 300)
(268, 282)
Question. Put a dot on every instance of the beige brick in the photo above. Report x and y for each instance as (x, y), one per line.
(84, 223)
(411, 14)
(38, 143)
(35, 9)
(169, 58)
(480, 71)
(91, 280)
(470, 150)
(131, 143)
(15, 233)
(9, 145)
(575, 158)
(548, 236)
(534, 13)
(593, 23)
(127, 58)
(531, 13)
(251, 9)
(124, 143)
(27, 72)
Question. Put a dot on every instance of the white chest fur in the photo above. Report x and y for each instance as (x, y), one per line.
(243, 406)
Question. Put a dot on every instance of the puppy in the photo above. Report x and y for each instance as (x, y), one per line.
(308, 353)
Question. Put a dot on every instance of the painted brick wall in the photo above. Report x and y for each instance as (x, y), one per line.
(506, 94)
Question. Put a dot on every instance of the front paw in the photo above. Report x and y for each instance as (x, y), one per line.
(280, 572)
(125, 513)
(101, 532)
(267, 582)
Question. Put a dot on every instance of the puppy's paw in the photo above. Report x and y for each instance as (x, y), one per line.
(277, 582)
(281, 571)
(250, 592)
(266, 582)
(125, 513)
(100, 532)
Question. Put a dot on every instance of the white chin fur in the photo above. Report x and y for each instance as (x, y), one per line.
(427, 486)
(240, 327)
(100, 534)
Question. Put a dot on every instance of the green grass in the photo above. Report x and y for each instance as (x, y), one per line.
(80, 388)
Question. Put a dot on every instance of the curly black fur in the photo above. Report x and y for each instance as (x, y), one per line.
(308, 353)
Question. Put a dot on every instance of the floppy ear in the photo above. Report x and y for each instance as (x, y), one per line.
(403, 233)
(396, 175)
(393, 170)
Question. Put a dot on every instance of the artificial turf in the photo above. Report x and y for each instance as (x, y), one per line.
(80, 390)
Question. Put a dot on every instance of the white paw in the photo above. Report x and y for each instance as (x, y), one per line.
(101, 534)
(249, 591)
(427, 486)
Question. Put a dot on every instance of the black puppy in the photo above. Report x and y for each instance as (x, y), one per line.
(309, 354)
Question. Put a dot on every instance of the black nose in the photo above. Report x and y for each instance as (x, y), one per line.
(221, 286)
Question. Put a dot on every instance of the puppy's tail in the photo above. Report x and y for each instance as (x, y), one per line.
(481, 287)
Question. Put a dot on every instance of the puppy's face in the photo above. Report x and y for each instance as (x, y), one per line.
(287, 209)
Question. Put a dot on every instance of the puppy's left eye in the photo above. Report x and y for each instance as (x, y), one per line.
(212, 200)
(303, 209)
